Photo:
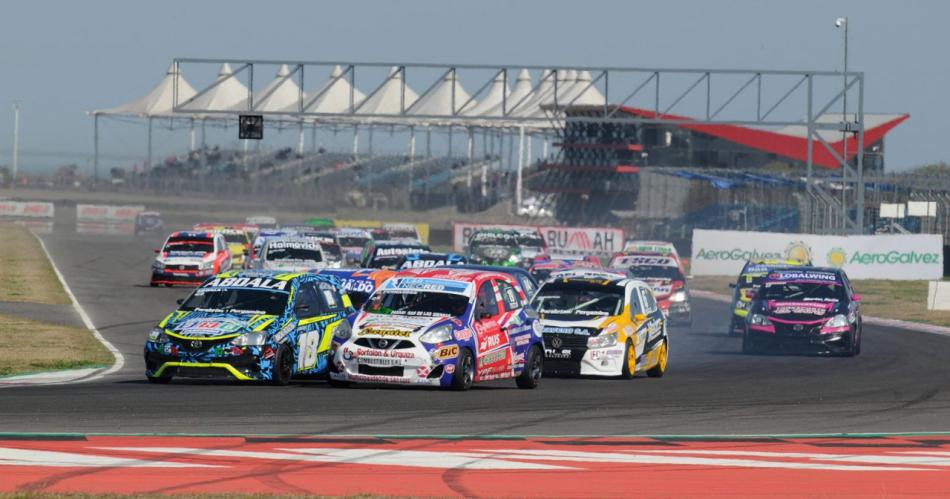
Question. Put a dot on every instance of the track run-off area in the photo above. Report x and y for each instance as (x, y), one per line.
(713, 424)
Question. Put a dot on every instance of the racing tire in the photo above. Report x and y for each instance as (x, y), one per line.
(659, 369)
(748, 344)
(464, 375)
(629, 368)
(159, 380)
(283, 368)
(152, 284)
(530, 376)
(853, 347)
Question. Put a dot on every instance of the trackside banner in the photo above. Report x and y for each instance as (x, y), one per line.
(31, 209)
(562, 241)
(885, 256)
(107, 213)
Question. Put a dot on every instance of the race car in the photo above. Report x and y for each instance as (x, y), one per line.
(352, 242)
(386, 254)
(292, 254)
(239, 243)
(543, 267)
(665, 277)
(750, 278)
(190, 257)
(633, 246)
(332, 254)
(443, 327)
(506, 248)
(601, 323)
(379, 234)
(804, 307)
(250, 325)
(148, 221)
(430, 260)
(402, 231)
(252, 261)
(359, 284)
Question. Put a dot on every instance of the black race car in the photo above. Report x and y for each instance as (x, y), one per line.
(804, 307)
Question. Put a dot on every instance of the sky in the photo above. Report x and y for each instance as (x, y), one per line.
(61, 59)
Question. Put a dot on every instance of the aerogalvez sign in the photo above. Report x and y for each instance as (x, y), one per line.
(899, 256)
(562, 241)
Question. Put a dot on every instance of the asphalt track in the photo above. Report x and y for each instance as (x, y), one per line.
(900, 383)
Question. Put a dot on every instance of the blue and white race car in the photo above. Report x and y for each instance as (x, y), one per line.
(250, 325)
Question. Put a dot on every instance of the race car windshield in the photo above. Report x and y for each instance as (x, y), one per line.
(189, 245)
(793, 290)
(237, 301)
(578, 301)
(494, 241)
(423, 303)
(531, 241)
(655, 272)
(235, 238)
(353, 241)
(300, 254)
(390, 256)
(333, 251)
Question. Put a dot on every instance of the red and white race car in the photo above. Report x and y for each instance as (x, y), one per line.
(665, 276)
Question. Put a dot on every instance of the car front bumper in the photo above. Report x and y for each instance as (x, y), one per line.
(412, 365)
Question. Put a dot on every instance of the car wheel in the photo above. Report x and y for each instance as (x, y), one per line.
(663, 356)
(530, 376)
(748, 344)
(283, 367)
(152, 284)
(464, 374)
(852, 349)
(629, 368)
(159, 380)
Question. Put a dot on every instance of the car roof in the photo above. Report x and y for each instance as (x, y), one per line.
(452, 273)
(193, 233)
(399, 242)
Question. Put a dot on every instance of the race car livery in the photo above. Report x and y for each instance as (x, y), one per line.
(750, 278)
(506, 248)
(601, 324)
(250, 325)
(444, 327)
(387, 254)
(359, 284)
(352, 242)
(254, 256)
(239, 242)
(665, 277)
(811, 307)
(292, 254)
(430, 260)
(190, 257)
(633, 247)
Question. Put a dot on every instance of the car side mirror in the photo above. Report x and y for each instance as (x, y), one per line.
(180, 301)
(856, 297)
(640, 317)
(732, 285)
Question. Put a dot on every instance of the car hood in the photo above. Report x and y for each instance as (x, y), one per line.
(293, 266)
(215, 325)
(382, 325)
(183, 257)
(800, 311)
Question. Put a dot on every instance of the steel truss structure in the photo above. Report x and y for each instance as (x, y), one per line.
(744, 97)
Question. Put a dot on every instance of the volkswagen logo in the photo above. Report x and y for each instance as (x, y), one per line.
(196, 344)
(557, 342)
(382, 343)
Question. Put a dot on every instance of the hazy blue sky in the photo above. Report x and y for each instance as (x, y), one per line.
(62, 58)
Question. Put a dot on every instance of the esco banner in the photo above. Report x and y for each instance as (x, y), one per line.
(883, 256)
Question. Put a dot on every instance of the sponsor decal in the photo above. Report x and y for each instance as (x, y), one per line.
(604, 354)
(422, 284)
(893, 258)
(798, 250)
(444, 353)
(423, 371)
(383, 354)
(199, 326)
(643, 260)
(522, 340)
(579, 331)
(463, 334)
(397, 251)
(837, 257)
(449, 368)
(737, 254)
(493, 357)
(490, 341)
(384, 332)
(293, 245)
(557, 354)
(796, 307)
(247, 282)
(797, 275)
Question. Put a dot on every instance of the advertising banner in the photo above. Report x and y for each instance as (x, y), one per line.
(32, 209)
(107, 213)
(882, 256)
(562, 241)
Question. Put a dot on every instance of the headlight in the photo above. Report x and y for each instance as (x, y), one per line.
(679, 296)
(837, 321)
(157, 265)
(250, 339)
(440, 334)
(157, 335)
(759, 320)
(602, 341)
(342, 331)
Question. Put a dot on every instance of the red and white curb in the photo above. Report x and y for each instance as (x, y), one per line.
(518, 467)
(875, 321)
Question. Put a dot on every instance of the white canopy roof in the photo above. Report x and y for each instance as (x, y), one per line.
(333, 96)
(585, 95)
(497, 92)
(227, 92)
(531, 106)
(519, 94)
(439, 100)
(159, 101)
(281, 94)
(387, 98)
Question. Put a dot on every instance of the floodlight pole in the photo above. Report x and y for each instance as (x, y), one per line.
(16, 140)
